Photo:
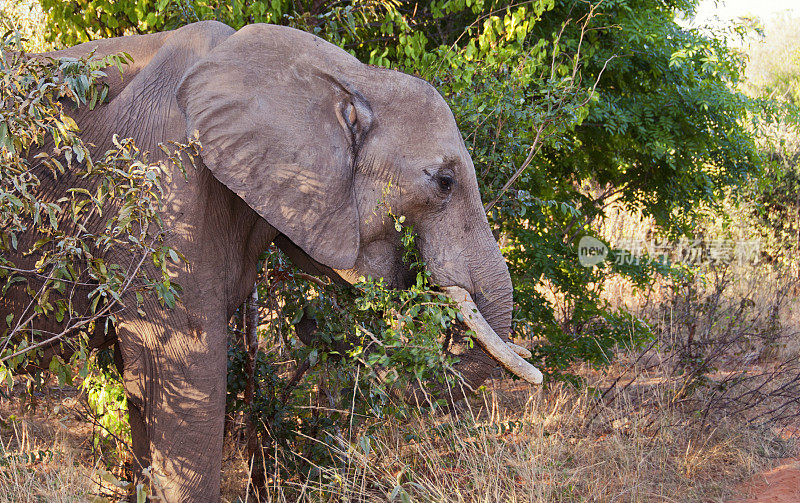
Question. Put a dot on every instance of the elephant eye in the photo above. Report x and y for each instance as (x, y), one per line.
(446, 182)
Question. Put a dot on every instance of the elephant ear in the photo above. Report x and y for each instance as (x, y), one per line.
(280, 128)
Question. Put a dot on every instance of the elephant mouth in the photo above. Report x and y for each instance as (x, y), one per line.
(507, 354)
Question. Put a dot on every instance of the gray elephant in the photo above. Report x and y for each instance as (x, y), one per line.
(299, 142)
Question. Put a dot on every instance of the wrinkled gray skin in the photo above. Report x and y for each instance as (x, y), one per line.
(300, 141)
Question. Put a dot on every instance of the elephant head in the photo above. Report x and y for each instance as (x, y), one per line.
(321, 145)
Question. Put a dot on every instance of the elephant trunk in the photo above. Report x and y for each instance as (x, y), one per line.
(492, 289)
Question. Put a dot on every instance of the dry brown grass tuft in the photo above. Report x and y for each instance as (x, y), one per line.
(52, 450)
(514, 443)
(519, 444)
(41, 467)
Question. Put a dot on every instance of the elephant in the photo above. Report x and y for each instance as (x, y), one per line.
(299, 142)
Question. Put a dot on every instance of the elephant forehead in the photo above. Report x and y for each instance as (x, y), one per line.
(434, 141)
(423, 120)
(421, 114)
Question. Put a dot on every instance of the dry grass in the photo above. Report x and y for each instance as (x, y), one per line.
(40, 461)
(524, 445)
(728, 333)
(51, 449)
(55, 476)
(514, 443)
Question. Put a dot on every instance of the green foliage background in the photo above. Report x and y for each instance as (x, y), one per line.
(64, 240)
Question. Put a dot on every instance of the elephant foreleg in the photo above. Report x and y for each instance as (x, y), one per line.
(175, 383)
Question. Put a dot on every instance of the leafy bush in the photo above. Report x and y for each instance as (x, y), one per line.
(57, 271)
(54, 248)
(367, 346)
(774, 73)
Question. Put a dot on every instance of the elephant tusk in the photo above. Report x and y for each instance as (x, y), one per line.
(508, 355)
(523, 352)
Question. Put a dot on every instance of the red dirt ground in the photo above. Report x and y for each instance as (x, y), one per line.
(779, 485)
